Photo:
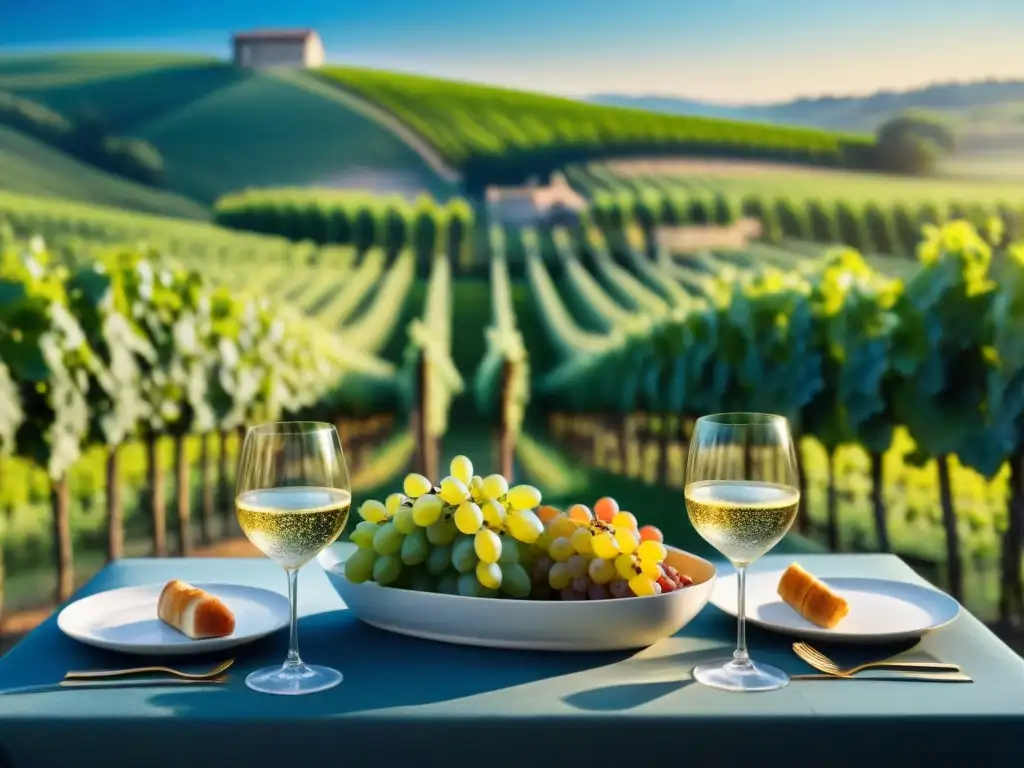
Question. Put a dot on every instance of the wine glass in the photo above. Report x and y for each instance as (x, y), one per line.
(742, 497)
(293, 499)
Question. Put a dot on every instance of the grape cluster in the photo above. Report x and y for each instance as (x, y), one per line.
(599, 555)
(470, 536)
(474, 536)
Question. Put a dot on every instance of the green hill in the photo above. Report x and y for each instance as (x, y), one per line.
(121, 89)
(218, 128)
(49, 70)
(279, 130)
(30, 167)
(495, 134)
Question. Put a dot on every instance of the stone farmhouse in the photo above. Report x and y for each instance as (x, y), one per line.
(556, 203)
(263, 49)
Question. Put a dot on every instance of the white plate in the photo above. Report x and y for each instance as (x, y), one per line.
(599, 625)
(880, 610)
(126, 620)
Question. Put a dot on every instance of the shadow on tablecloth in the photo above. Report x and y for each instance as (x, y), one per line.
(663, 669)
(382, 671)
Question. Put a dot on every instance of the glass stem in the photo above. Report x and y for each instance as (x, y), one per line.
(740, 656)
(293, 659)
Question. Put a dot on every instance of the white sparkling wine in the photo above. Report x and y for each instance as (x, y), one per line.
(292, 525)
(742, 519)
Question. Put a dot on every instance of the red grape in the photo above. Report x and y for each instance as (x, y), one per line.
(597, 592)
(650, 533)
(620, 588)
(606, 508)
(541, 568)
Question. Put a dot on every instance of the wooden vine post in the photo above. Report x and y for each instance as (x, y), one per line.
(669, 424)
(207, 512)
(156, 496)
(623, 424)
(223, 491)
(240, 432)
(425, 445)
(878, 501)
(749, 470)
(183, 494)
(1011, 598)
(803, 517)
(60, 500)
(506, 440)
(949, 523)
(832, 503)
(115, 509)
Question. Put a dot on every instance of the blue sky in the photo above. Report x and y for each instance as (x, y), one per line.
(721, 50)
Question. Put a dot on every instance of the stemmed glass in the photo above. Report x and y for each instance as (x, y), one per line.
(742, 497)
(293, 499)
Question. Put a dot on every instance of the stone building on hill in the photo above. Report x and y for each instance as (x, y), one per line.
(263, 49)
(556, 203)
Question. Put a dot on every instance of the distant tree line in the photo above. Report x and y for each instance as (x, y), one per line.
(86, 137)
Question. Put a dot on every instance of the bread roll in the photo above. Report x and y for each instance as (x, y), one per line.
(194, 612)
(810, 598)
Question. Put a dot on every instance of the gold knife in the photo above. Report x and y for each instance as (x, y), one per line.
(925, 677)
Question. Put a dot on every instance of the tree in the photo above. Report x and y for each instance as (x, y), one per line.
(912, 143)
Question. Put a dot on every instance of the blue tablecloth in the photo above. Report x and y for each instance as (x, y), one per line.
(407, 702)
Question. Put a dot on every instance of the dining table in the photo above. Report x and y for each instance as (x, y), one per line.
(411, 702)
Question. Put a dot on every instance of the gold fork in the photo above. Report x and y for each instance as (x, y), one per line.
(823, 663)
(105, 673)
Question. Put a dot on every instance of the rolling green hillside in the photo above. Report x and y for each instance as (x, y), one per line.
(122, 90)
(55, 70)
(31, 167)
(497, 134)
(218, 128)
(277, 130)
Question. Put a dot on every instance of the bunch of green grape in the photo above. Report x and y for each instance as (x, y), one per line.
(475, 536)
(470, 536)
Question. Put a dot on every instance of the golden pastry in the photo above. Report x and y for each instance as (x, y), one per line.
(811, 598)
(194, 612)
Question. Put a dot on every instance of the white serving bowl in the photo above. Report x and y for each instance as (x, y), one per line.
(598, 625)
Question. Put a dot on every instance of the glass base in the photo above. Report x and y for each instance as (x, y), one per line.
(288, 680)
(736, 676)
